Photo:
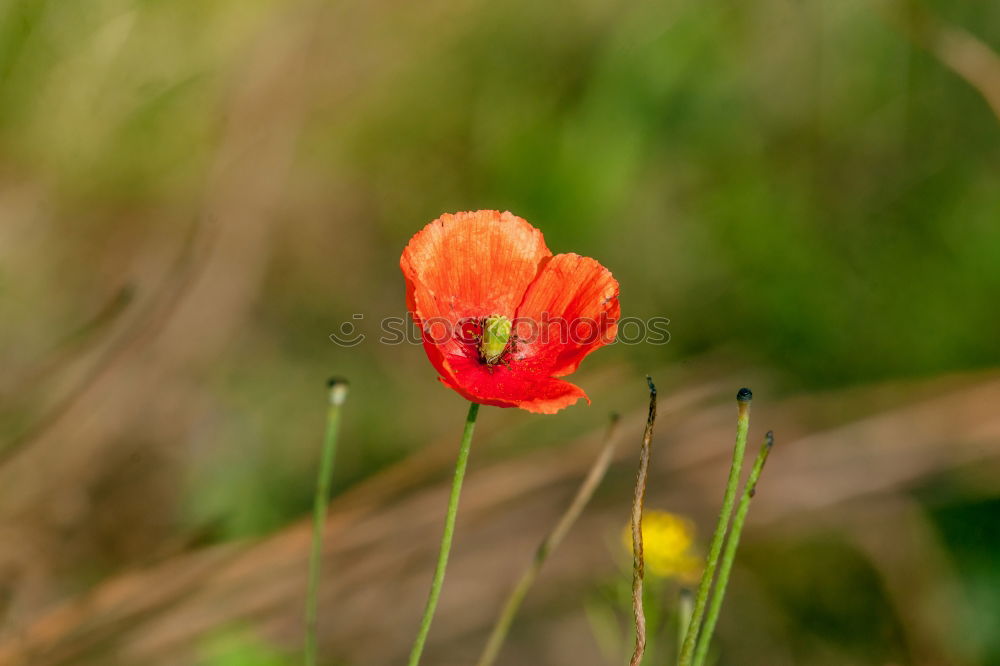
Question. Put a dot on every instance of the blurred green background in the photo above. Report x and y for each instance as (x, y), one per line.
(194, 196)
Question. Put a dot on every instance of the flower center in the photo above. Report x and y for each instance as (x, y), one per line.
(496, 337)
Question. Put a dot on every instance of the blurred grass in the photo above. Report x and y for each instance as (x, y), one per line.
(846, 617)
(969, 530)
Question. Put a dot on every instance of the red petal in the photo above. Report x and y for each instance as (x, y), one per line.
(509, 387)
(570, 310)
(469, 265)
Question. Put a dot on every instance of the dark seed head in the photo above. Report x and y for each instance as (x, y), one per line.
(744, 395)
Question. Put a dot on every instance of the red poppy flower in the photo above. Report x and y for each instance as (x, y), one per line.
(501, 317)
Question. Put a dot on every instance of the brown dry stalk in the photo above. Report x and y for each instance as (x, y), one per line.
(638, 567)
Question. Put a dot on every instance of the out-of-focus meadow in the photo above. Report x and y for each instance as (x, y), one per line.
(194, 196)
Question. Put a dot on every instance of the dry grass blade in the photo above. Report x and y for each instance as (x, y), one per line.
(550, 543)
(637, 504)
(962, 52)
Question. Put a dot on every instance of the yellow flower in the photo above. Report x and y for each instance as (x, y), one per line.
(667, 545)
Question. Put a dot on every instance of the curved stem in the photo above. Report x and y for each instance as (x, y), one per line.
(715, 548)
(449, 530)
(337, 395)
(729, 555)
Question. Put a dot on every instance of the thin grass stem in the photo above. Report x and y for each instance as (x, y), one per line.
(549, 544)
(685, 606)
(729, 555)
(337, 394)
(743, 399)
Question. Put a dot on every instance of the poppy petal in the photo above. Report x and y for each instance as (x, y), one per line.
(570, 310)
(501, 386)
(469, 265)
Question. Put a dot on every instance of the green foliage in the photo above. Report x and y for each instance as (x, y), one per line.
(969, 532)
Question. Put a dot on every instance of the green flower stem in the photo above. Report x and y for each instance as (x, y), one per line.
(449, 531)
(730, 553)
(549, 544)
(337, 396)
(743, 399)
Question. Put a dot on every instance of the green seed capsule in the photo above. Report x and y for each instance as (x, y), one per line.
(496, 335)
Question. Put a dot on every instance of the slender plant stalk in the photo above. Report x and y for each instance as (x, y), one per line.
(743, 398)
(549, 544)
(638, 565)
(449, 531)
(337, 395)
(729, 555)
(685, 606)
